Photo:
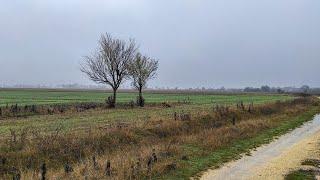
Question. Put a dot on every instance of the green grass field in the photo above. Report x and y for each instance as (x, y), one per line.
(100, 118)
(25, 96)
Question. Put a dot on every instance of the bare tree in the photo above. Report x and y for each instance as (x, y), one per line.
(109, 64)
(142, 69)
(305, 88)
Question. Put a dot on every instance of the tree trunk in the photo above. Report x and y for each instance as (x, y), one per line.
(114, 97)
(140, 93)
(141, 100)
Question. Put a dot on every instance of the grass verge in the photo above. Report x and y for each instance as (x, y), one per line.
(304, 174)
(238, 147)
(300, 175)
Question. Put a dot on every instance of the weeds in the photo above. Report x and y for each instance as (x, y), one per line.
(157, 152)
(29, 110)
(182, 116)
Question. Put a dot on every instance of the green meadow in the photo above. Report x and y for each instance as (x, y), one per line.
(45, 96)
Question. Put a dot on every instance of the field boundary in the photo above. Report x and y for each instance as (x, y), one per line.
(239, 148)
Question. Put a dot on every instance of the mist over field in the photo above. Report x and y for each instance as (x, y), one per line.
(198, 43)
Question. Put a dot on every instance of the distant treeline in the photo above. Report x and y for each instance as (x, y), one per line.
(303, 89)
(265, 89)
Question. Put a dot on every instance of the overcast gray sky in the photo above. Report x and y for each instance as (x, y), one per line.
(211, 43)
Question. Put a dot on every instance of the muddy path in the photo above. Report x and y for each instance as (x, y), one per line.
(274, 160)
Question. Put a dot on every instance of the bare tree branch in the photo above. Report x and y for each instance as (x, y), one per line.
(109, 64)
(142, 69)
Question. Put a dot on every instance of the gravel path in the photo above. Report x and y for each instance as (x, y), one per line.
(276, 159)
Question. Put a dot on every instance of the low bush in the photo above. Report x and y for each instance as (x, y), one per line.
(110, 101)
(140, 101)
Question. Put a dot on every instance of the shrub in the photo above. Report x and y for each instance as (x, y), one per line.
(140, 101)
(110, 102)
(166, 105)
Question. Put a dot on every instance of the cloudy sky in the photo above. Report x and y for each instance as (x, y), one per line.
(210, 43)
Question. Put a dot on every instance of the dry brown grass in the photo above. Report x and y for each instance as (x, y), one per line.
(131, 148)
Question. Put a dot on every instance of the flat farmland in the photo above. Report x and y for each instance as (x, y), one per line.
(185, 133)
(79, 121)
(45, 96)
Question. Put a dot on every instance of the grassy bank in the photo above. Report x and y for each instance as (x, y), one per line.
(235, 149)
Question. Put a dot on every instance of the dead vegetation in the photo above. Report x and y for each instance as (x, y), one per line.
(29, 110)
(21, 111)
(136, 151)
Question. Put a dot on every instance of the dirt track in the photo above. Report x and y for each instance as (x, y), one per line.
(276, 159)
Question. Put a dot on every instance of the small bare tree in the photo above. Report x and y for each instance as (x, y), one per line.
(142, 69)
(109, 64)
